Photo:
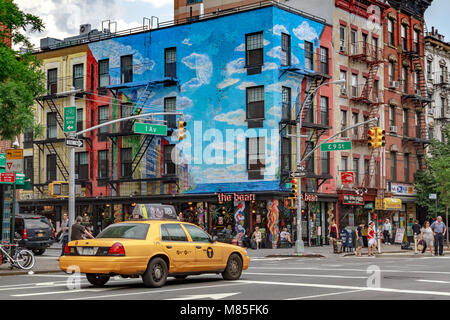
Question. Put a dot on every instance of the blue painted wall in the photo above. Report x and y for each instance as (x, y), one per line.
(211, 91)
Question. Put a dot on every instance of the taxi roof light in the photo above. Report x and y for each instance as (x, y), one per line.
(117, 249)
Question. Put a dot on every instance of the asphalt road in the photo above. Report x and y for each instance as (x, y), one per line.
(343, 278)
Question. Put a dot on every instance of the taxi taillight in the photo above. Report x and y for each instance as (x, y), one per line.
(66, 250)
(117, 249)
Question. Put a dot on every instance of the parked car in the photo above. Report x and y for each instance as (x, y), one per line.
(36, 232)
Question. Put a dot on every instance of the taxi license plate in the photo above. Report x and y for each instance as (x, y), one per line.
(88, 251)
(40, 235)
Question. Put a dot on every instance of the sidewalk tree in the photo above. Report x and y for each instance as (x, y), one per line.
(21, 80)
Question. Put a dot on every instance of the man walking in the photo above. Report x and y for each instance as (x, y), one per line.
(64, 228)
(416, 228)
(78, 231)
(440, 231)
(387, 232)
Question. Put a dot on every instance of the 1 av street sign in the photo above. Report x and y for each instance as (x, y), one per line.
(72, 142)
(336, 146)
(70, 119)
(300, 174)
(155, 129)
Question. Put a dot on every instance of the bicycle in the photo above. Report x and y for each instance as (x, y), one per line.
(20, 258)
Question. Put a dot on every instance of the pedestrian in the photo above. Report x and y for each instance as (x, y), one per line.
(359, 239)
(440, 231)
(387, 229)
(426, 235)
(63, 232)
(78, 231)
(257, 237)
(333, 232)
(416, 228)
(285, 237)
(372, 241)
(247, 237)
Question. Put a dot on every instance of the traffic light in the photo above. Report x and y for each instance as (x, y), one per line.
(381, 138)
(294, 187)
(181, 129)
(59, 189)
(372, 138)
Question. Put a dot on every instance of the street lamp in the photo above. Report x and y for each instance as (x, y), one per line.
(299, 248)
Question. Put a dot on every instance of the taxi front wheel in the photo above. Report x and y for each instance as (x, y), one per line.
(156, 274)
(234, 268)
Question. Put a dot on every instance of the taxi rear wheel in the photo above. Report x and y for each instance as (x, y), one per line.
(234, 268)
(97, 280)
(156, 274)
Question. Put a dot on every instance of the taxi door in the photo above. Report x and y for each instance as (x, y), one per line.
(207, 256)
(178, 247)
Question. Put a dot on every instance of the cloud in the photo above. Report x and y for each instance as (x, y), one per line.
(278, 29)
(235, 66)
(240, 48)
(275, 52)
(276, 87)
(202, 65)
(187, 42)
(226, 83)
(305, 32)
(269, 66)
(274, 111)
(244, 85)
(236, 117)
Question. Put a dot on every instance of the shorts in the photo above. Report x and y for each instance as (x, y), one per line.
(372, 242)
(360, 242)
(333, 235)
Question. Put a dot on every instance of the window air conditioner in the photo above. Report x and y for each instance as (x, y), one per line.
(393, 129)
(394, 84)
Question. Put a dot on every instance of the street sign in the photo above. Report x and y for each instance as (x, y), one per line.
(2, 160)
(298, 174)
(336, 146)
(14, 160)
(72, 142)
(347, 177)
(433, 196)
(70, 119)
(14, 154)
(7, 177)
(154, 129)
(20, 178)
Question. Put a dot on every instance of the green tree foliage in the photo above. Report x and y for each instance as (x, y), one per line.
(21, 80)
(436, 178)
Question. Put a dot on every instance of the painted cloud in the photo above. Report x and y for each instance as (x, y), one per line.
(236, 117)
(305, 32)
(203, 68)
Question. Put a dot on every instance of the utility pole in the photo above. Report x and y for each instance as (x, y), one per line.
(71, 174)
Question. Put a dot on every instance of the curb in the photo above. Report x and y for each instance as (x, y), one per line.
(21, 273)
(294, 256)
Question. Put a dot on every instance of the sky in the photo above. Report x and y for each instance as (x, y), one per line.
(63, 18)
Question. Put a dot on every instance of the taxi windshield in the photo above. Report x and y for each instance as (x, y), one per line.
(125, 231)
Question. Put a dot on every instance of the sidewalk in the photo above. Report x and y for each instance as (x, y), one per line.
(49, 264)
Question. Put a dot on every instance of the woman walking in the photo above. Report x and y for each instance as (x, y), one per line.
(333, 232)
(426, 234)
(372, 241)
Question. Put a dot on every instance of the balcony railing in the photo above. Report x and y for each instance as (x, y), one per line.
(365, 52)
(358, 94)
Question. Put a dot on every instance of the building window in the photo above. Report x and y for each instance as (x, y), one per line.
(417, 119)
(92, 78)
(78, 76)
(405, 122)
(355, 119)
(286, 102)
(170, 62)
(325, 162)
(285, 49)
(354, 41)
(28, 168)
(356, 169)
(376, 92)
(354, 85)
(429, 70)
(79, 120)
(343, 76)
(443, 107)
(52, 81)
(324, 60)
(405, 79)
(416, 41)
(375, 49)
(343, 123)
(344, 163)
(51, 167)
(391, 72)
(254, 49)
(309, 56)
(126, 69)
(103, 164)
(126, 109)
(391, 34)
(324, 111)
(366, 168)
(342, 39)
(285, 154)
(52, 130)
(82, 165)
(404, 37)
(417, 82)
(392, 116)
(103, 73)
(103, 116)
(170, 105)
(126, 162)
(406, 164)
(256, 154)
(28, 137)
(169, 164)
(393, 166)
(255, 105)
(310, 162)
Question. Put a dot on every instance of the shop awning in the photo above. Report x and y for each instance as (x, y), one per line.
(392, 204)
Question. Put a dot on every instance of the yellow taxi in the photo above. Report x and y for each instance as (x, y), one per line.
(154, 250)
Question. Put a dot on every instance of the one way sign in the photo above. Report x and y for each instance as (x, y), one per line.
(74, 143)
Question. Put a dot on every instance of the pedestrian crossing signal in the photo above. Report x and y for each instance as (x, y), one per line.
(181, 129)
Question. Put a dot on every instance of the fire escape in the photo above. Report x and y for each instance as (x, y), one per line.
(418, 100)
(126, 129)
(51, 144)
(314, 125)
(370, 95)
